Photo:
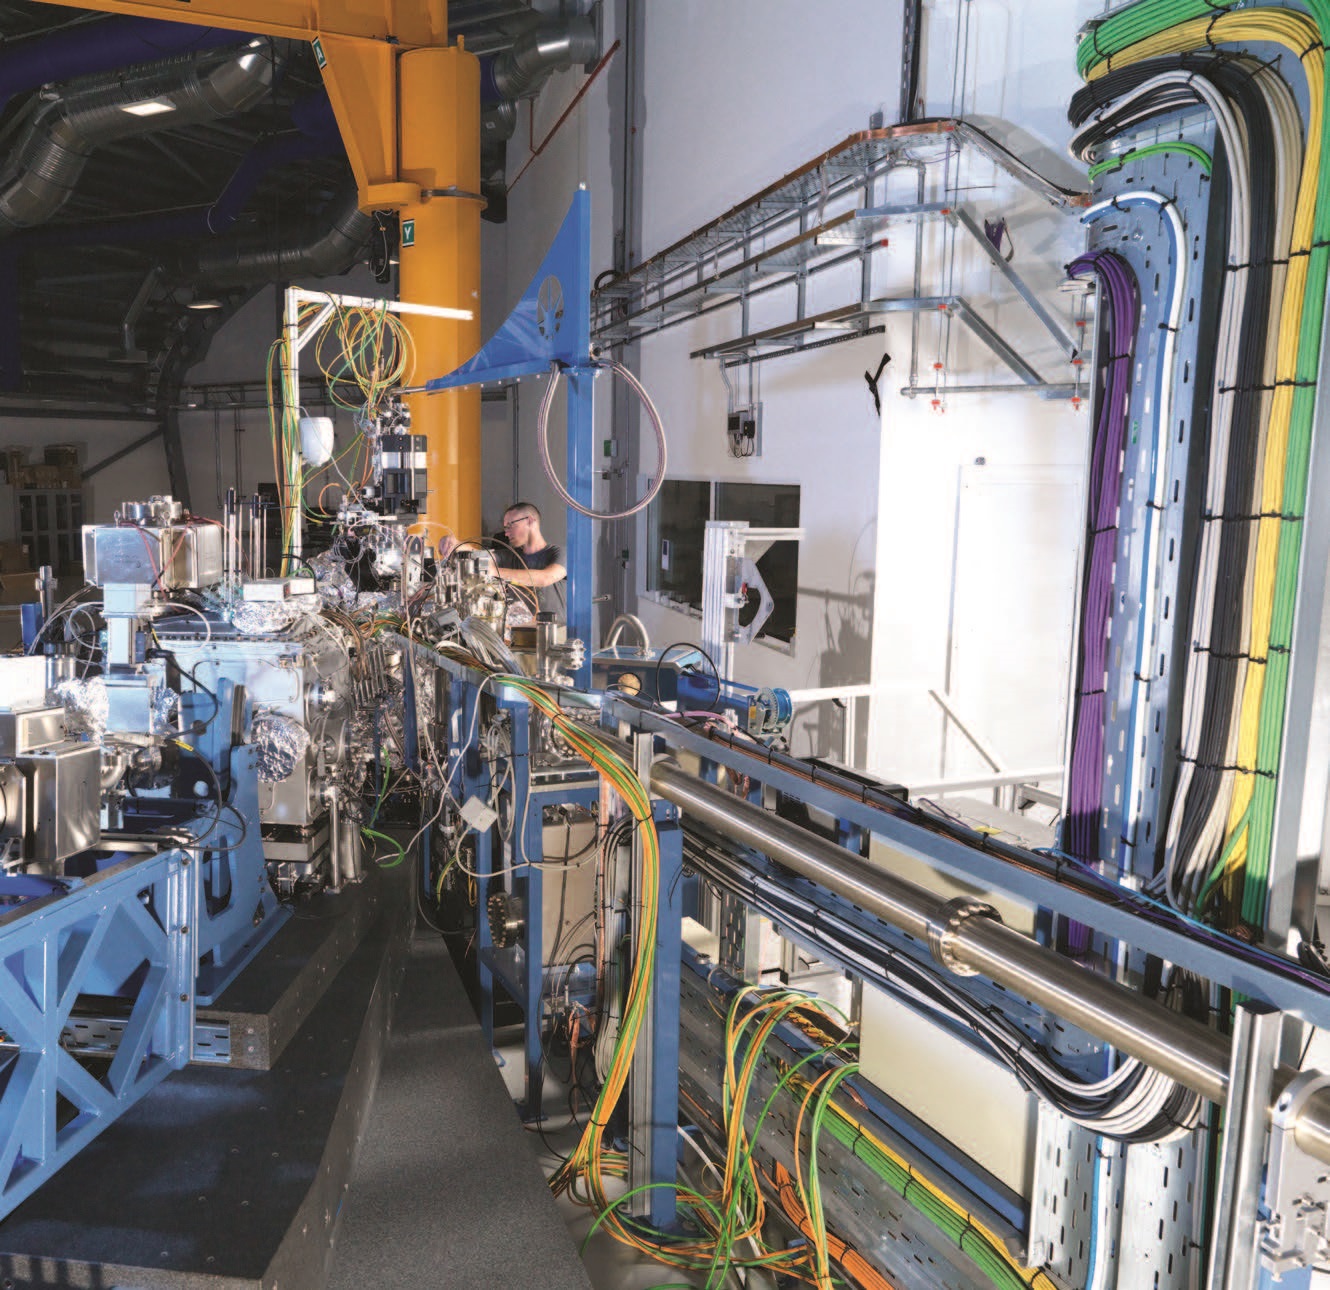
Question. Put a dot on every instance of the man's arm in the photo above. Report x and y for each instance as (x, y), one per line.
(545, 577)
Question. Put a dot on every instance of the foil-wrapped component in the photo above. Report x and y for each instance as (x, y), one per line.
(371, 602)
(165, 705)
(334, 583)
(86, 705)
(282, 744)
(270, 617)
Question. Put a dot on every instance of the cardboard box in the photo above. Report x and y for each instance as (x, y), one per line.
(61, 454)
(14, 557)
(18, 588)
(12, 460)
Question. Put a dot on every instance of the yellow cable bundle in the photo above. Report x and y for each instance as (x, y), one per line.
(1302, 36)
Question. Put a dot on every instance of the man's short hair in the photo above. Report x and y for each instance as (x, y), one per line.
(523, 506)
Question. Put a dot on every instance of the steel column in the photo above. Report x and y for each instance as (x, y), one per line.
(1234, 1264)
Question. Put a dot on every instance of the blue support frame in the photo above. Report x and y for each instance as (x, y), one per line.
(665, 1018)
(132, 926)
(550, 327)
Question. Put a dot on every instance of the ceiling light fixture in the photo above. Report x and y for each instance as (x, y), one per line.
(204, 304)
(148, 107)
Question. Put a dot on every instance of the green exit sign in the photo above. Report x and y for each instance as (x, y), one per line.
(408, 232)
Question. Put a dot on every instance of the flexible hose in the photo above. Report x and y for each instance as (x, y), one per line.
(542, 435)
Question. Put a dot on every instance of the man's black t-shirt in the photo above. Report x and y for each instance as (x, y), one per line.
(505, 557)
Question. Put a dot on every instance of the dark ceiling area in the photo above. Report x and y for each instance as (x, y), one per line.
(154, 175)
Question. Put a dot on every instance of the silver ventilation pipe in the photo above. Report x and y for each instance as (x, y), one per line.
(519, 72)
(71, 124)
(498, 121)
(330, 249)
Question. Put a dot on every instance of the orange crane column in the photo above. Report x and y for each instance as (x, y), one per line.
(439, 114)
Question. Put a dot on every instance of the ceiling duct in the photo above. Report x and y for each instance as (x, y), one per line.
(519, 72)
(101, 46)
(330, 249)
(45, 166)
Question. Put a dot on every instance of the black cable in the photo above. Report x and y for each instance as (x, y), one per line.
(1240, 478)
(688, 645)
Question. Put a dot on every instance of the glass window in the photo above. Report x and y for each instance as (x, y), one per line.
(768, 506)
(676, 525)
(676, 532)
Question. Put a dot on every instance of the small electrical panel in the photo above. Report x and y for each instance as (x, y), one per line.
(744, 430)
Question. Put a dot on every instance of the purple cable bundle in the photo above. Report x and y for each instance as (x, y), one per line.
(1118, 291)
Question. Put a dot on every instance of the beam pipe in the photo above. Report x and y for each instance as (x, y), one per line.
(1179, 1047)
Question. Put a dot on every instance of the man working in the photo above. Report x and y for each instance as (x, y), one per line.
(525, 559)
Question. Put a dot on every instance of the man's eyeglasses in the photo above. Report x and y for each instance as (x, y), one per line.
(521, 519)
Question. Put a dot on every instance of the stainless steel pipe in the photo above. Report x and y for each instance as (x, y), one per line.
(1178, 1046)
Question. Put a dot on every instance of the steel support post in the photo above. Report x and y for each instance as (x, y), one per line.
(1300, 798)
(1234, 1263)
(465, 705)
(654, 1083)
(581, 435)
(527, 844)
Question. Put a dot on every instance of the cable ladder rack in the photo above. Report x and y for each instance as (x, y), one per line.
(798, 227)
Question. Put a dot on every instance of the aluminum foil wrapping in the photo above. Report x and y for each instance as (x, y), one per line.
(270, 617)
(85, 703)
(335, 585)
(164, 708)
(380, 724)
(282, 743)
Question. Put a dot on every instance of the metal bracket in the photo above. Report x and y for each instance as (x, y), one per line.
(942, 933)
(1297, 1234)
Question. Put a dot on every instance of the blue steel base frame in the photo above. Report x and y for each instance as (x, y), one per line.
(128, 929)
(550, 327)
(521, 969)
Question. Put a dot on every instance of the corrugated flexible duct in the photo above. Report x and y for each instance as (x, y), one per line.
(328, 249)
(67, 129)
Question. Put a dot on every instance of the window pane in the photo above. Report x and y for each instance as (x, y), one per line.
(676, 527)
(769, 506)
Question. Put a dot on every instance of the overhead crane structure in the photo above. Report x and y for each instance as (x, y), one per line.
(408, 107)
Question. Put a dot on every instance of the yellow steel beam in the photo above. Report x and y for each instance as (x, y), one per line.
(356, 42)
(408, 108)
(410, 24)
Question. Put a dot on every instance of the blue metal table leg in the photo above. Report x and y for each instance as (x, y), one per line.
(665, 1019)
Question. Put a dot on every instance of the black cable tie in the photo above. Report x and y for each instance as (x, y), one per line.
(1222, 655)
(1117, 358)
(1089, 694)
(1166, 327)
(1221, 766)
(1209, 30)
(1142, 676)
(1107, 528)
(1312, 48)
(1288, 517)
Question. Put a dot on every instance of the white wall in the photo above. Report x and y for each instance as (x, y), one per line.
(738, 94)
(139, 474)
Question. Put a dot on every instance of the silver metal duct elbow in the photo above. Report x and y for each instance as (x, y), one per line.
(616, 630)
(329, 250)
(520, 71)
(74, 121)
(498, 121)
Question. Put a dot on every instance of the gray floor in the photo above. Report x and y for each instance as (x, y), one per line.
(446, 1190)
